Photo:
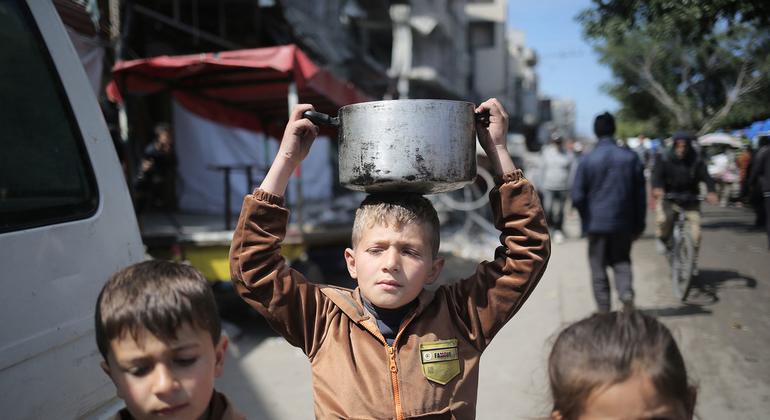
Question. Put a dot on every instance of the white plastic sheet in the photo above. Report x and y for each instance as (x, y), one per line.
(202, 144)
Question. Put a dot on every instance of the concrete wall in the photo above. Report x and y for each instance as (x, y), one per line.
(440, 55)
(523, 62)
(494, 11)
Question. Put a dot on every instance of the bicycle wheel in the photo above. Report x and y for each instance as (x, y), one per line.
(682, 260)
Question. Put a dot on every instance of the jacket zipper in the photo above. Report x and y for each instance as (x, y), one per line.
(393, 372)
(394, 367)
(394, 383)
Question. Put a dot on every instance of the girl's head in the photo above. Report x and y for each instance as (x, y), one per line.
(618, 365)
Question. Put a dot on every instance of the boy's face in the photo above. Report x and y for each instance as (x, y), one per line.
(169, 380)
(392, 265)
(635, 398)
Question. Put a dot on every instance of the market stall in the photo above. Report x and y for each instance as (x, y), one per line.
(229, 110)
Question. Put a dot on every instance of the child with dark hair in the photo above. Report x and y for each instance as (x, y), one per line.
(619, 365)
(159, 332)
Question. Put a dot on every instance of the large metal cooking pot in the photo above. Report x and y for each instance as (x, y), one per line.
(417, 145)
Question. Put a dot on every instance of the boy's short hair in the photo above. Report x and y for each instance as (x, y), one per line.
(398, 209)
(157, 296)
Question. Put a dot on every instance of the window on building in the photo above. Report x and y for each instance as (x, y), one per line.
(481, 34)
(45, 176)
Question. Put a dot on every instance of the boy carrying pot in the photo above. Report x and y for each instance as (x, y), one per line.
(390, 348)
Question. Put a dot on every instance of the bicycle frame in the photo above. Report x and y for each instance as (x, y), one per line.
(682, 257)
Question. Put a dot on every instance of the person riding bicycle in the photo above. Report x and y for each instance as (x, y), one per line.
(676, 182)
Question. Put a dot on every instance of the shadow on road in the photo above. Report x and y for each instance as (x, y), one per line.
(740, 220)
(709, 283)
(705, 291)
(647, 236)
(736, 225)
(683, 310)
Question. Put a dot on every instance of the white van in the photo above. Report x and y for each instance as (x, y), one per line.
(66, 221)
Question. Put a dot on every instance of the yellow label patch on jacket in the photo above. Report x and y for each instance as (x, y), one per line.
(440, 360)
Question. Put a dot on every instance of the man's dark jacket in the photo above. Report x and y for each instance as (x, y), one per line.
(682, 176)
(609, 190)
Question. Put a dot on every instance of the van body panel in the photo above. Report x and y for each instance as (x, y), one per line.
(49, 362)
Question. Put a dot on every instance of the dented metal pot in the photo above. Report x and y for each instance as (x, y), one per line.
(410, 145)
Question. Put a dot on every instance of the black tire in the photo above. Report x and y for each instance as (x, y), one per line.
(682, 261)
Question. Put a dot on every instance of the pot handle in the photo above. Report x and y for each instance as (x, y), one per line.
(481, 118)
(319, 118)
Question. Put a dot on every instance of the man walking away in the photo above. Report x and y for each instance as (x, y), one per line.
(555, 171)
(609, 193)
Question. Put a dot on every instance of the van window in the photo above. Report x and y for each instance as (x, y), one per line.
(45, 175)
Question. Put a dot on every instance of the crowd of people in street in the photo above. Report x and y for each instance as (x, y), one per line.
(614, 184)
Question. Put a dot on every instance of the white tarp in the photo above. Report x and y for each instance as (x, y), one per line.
(201, 144)
(719, 138)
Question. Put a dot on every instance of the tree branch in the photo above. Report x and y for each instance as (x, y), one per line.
(733, 95)
(654, 88)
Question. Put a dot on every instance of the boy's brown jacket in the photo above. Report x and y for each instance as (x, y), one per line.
(431, 371)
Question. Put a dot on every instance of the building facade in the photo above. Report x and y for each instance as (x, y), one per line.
(488, 49)
(525, 114)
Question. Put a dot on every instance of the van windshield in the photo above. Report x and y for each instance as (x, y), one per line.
(45, 175)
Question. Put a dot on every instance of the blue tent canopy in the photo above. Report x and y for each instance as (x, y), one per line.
(754, 129)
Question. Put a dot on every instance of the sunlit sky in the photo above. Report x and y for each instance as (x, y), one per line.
(568, 67)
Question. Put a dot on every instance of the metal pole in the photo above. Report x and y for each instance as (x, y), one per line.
(401, 60)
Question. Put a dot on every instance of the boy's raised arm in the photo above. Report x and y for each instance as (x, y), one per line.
(491, 296)
(493, 138)
(295, 145)
(261, 275)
